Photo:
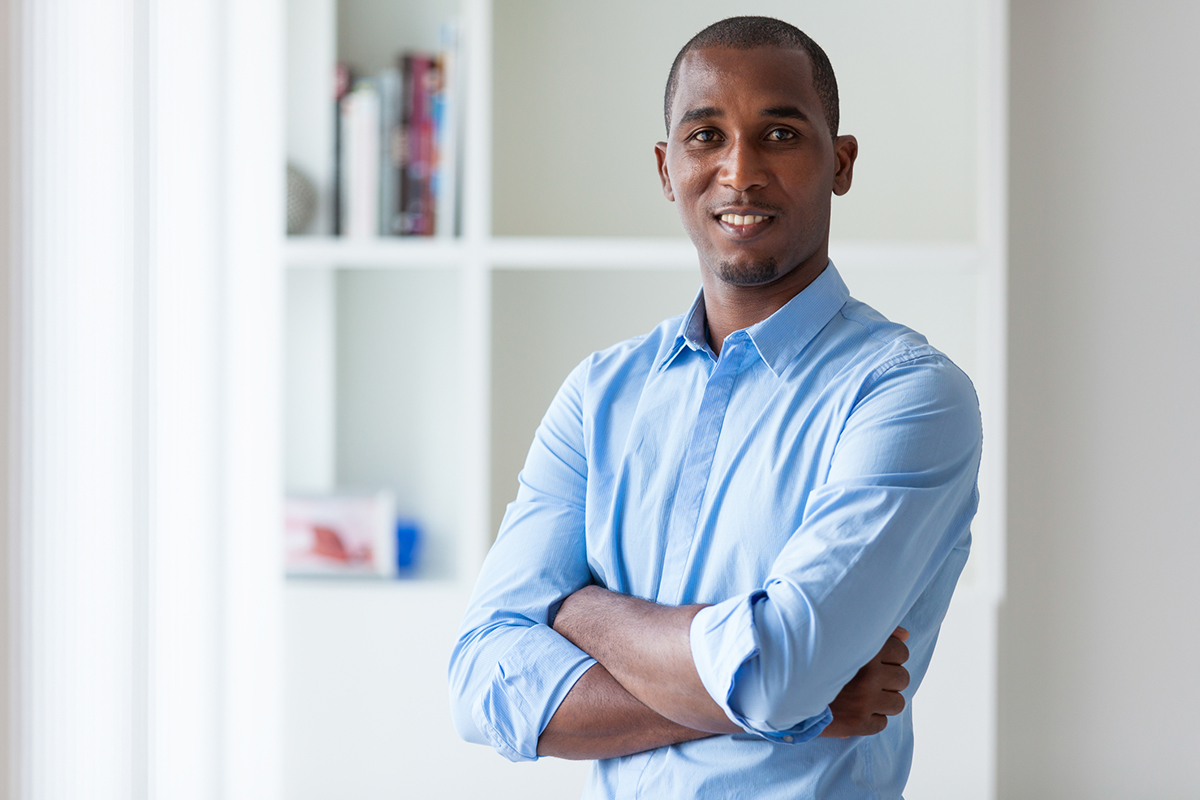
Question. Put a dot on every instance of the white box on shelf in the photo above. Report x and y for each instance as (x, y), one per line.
(340, 534)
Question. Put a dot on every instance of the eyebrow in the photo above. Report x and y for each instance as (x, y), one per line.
(709, 112)
(785, 112)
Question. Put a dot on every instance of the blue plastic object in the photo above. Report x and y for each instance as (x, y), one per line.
(408, 546)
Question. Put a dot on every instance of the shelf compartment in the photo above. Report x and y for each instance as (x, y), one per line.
(374, 395)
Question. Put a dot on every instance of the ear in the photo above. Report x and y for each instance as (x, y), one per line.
(845, 150)
(660, 155)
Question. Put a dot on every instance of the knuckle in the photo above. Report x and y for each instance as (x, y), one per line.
(897, 679)
(894, 652)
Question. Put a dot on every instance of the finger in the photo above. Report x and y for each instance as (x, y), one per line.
(875, 725)
(893, 678)
(894, 651)
(890, 703)
(901, 634)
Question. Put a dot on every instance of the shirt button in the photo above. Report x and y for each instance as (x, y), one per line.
(788, 739)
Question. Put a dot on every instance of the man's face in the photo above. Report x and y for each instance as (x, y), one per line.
(751, 163)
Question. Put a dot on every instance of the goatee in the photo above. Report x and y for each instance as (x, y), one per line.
(753, 274)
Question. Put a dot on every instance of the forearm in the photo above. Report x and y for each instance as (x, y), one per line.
(600, 719)
(646, 648)
(607, 715)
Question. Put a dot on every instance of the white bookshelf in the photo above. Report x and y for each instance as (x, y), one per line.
(424, 364)
(326, 252)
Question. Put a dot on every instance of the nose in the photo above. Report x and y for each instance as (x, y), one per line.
(742, 167)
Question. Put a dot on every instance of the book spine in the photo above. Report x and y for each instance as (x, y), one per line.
(417, 217)
(341, 86)
(407, 134)
(390, 161)
(362, 124)
(345, 111)
(433, 90)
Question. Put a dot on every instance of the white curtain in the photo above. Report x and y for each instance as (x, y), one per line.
(144, 215)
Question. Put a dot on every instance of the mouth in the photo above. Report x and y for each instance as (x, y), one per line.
(744, 222)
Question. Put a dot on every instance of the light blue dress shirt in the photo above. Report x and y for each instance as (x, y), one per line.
(815, 483)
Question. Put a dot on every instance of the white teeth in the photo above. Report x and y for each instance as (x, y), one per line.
(738, 219)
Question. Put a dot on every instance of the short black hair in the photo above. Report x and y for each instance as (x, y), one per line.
(746, 33)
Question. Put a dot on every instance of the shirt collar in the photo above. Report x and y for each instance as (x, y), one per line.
(692, 333)
(780, 337)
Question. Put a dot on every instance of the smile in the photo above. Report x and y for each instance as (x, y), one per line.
(743, 224)
(738, 219)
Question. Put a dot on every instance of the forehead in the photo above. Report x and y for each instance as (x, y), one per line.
(719, 77)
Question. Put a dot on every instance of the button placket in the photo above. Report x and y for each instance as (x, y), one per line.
(697, 465)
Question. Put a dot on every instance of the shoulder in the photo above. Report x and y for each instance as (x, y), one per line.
(894, 360)
(628, 361)
(908, 409)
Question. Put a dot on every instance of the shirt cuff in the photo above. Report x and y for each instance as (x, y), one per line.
(723, 639)
(529, 683)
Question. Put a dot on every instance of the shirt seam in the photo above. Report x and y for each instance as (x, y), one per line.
(874, 336)
(910, 356)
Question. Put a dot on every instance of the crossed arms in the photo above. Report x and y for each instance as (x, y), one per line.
(645, 693)
(610, 674)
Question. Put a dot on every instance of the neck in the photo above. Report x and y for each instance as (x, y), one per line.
(730, 307)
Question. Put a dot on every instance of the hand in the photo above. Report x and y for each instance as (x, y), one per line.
(873, 695)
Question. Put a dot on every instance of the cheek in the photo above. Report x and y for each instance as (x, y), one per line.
(688, 184)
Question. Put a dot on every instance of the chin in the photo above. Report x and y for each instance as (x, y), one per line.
(755, 273)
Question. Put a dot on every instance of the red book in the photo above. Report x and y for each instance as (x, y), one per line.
(416, 194)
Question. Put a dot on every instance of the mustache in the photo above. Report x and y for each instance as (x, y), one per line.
(715, 209)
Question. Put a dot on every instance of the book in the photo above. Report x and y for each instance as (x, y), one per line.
(360, 160)
(391, 150)
(416, 213)
(397, 146)
(341, 85)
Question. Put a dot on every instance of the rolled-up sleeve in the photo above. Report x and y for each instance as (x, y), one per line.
(509, 670)
(898, 498)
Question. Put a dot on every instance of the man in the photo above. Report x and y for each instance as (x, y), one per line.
(720, 522)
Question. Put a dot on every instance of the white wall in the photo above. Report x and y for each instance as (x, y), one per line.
(5, 322)
(1098, 638)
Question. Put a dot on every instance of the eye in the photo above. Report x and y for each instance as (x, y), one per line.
(781, 135)
(704, 136)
